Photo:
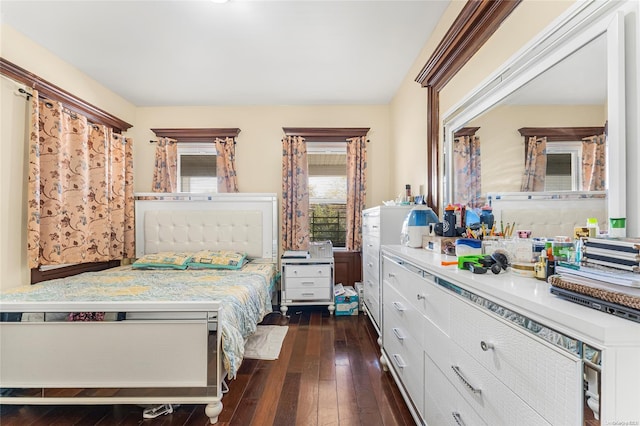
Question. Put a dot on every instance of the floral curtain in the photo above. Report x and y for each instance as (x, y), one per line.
(165, 172)
(80, 206)
(226, 165)
(295, 194)
(593, 163)
(535, 169)
(356, 190)
(467, 179)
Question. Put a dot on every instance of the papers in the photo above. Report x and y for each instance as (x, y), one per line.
(296, 254)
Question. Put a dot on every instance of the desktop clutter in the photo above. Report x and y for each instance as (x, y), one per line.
(599, 270)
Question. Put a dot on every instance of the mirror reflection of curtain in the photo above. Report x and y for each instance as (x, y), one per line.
(593, 163)
(165, 172)
(80, 206)
(356, 190)
(225, 165)
(535, 168)
(467, 179)
(295, 194)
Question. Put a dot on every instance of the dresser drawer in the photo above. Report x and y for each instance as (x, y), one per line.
(307, 271)
(370, 244)
(371, 266)
(371, 224)
(442, 403)
(406, 358)
(546, 379)
(420, 290)
(490, 398)
(312, 293)
(401, 318)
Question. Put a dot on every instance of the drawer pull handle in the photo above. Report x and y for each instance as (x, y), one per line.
(399, 306)
(307, 294)
(486, 346)
(392, 275)
(374, 226)
(308, 283)
(421, 296)
(456, 370)
(399, 361)
(396, 331)
(458, 419)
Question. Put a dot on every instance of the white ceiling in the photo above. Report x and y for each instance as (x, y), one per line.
(244, 52)
(579, 79)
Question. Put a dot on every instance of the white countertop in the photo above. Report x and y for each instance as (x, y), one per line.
(529, 297)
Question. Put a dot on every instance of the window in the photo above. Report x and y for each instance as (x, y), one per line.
(327, 191)
(563, 166)
(197, 168)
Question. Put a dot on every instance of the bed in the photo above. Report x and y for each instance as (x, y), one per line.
(147, 336)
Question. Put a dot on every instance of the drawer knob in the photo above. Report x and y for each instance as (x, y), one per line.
(458, 419)
(486, 346)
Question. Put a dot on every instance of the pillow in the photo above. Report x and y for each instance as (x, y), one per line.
(163, 260)
(217, 259)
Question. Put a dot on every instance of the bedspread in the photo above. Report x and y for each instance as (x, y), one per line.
(244, 296)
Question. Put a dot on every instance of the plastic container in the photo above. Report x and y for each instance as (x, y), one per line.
(486, 217)
(449, 222)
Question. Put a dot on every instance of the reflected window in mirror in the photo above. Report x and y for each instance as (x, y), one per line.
(563, 170)
(574, 158)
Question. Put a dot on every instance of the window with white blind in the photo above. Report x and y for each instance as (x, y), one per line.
(197, 168)
(564, 161)
(327, 163)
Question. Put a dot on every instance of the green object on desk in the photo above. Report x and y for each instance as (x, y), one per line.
(473, 258)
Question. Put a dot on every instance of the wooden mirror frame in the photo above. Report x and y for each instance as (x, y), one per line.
(475, 24)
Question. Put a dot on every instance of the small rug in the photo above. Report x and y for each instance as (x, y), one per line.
(266, 342)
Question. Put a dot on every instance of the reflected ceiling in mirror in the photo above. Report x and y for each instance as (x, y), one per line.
(571, 93)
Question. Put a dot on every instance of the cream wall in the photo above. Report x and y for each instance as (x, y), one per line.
(259, 146)
(409, 117)
(502, 146)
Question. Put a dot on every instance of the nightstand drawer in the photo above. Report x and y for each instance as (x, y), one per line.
(292, 271)
(308, 282)
(312, 293)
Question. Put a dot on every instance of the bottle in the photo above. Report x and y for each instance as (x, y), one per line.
(592, 225)
(449, 222)
(486, 216)
(540, 268)
(550, 260)
(407, 189)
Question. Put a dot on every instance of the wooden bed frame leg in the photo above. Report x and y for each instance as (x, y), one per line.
(213, 411)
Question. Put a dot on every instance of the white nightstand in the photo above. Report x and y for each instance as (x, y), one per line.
(307, 282)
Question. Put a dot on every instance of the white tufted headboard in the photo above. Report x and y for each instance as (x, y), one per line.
(549, 214)
(191, 222)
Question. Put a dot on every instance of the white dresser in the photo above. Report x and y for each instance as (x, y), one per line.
(307, 282)
(380, 225)
(501, 350)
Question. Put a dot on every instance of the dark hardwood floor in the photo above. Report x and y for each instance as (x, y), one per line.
(328, 373)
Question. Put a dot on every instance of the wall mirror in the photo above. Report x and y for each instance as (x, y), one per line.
(568, 81)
